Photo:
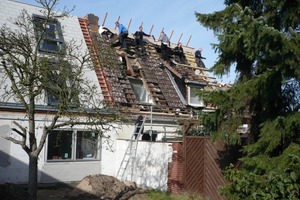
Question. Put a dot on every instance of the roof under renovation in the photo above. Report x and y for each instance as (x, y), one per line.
(144, 82)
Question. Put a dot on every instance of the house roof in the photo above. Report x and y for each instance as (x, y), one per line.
(165, 81)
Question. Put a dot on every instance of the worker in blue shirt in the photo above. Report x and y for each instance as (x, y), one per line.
(123, 33)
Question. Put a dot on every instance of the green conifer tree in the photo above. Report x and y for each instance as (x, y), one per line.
(261, 40)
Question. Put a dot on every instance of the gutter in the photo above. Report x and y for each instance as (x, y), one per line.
(17, 107)
(188, 82)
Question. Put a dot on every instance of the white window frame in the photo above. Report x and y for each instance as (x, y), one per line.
(193, 99)
(144, 98)
(74, 146)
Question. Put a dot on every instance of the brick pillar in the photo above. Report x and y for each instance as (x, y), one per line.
(93, 22)
(175, 170)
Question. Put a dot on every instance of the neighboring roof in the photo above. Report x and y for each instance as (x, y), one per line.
(165, 81)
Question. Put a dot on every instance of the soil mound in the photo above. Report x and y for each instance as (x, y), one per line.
(93, 187)
(104, 187)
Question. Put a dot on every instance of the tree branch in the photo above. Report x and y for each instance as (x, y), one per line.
(20, 127)
(21, 143)
(19, 132)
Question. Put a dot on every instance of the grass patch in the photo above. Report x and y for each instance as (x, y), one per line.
(158, 195)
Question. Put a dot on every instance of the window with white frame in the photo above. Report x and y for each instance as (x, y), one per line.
(59, 87)
(139, 90)
(193, 98)
(70, 145)
(51, 33)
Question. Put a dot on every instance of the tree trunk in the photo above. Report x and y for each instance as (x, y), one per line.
(32, 181)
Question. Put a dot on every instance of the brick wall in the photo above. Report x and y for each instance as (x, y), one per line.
(175, 170)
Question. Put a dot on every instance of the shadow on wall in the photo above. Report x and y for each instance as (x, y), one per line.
(14, 178)
(152, 165)
(13, 170)
(13, 160)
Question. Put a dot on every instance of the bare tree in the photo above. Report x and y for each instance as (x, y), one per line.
(31, 75)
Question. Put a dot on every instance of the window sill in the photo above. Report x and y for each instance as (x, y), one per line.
(72, 161)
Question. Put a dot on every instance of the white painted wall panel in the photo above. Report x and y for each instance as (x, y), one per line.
(151, 166)
(68, 171)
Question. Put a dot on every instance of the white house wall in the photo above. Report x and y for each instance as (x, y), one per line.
(151, 165)
(152, 157)
(14, 162)
(71, 31)
(151, 168)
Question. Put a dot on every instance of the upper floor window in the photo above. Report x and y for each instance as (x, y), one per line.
(50, 32)
(193, 97)
(59, 83)
(139, 90)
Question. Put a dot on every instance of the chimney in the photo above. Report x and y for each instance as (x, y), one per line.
(93, 22)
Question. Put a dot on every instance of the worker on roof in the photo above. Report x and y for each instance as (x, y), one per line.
(138, 39)
(178, 50)
(199, 58)
(123, 33)
(165, 42)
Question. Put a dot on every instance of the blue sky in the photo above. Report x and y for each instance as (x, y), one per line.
(172, 15)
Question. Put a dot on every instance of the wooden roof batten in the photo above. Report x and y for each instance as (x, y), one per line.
(151, 29)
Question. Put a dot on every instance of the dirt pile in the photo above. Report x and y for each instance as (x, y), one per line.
(104, 187)
(93, 187)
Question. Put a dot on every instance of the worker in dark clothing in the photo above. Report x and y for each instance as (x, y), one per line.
(199, 58)
(138, 123)
(178, 50)
(138, 39)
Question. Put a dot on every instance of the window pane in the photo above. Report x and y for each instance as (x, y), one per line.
(51, 99)
(52, 32)
(48, 45)
(59, 88)
(194, 98)
(87, 145)
(60, 145)
(139, 90)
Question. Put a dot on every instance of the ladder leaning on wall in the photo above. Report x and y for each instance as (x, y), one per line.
(130, 153)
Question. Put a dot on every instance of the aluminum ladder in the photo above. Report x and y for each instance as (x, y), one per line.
(130, 153)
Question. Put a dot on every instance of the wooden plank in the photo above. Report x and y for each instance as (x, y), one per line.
(200, 68)
(205, 76)
(172, 69)
(179, 64)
